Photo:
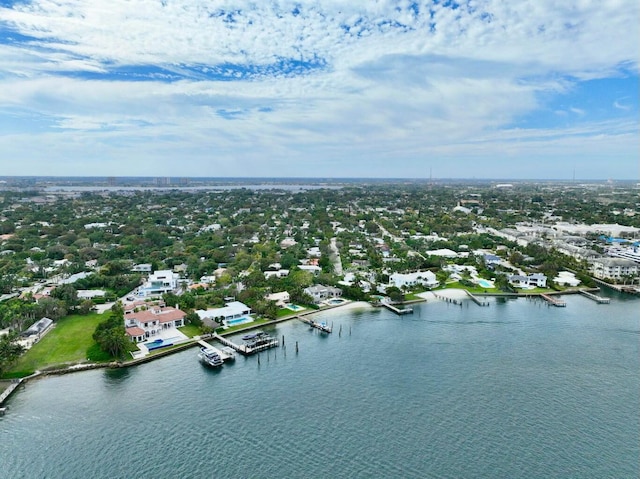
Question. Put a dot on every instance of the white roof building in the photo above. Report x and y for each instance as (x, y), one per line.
(231, 310)
(423, 278)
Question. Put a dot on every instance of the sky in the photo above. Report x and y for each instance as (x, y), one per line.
(522, 89)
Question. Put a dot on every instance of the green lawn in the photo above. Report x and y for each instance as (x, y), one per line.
(190, 330)
(69, 341)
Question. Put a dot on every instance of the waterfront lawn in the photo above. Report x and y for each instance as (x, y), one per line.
(190, 330)
(70, 341)
(284, 312)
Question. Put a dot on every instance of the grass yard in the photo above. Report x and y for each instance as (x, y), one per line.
(70, 341)
(190, 330)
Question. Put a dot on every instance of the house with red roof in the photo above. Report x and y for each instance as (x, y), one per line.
(141, 325)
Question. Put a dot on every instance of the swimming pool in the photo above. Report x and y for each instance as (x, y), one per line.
(485, 283)
(336, 301)
(294, 307)
(237, 321)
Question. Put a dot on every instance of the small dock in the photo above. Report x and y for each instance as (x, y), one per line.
(597, 299)
(225, 355)
(398, 311)
(477, 300)
(324, 327)
(553, 301)
(249, 348)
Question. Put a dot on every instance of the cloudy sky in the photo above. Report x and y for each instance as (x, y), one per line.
(467, 89)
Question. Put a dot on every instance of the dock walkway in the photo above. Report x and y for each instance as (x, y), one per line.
(325, 328)
(553, 301)
(248, 349)
(597, 299)
(398, 311)
(477, 300)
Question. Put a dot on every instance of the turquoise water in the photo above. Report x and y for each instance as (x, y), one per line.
(235, 322)
(294, 307)
(515, 390)
(485, 284)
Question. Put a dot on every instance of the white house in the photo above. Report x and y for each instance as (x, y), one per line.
(281, 298)
(160, 282)
(320, 292)
(281, 273)
(422, 278)
(533, 280)
(567, 279)
(231, 310)
(142, 325)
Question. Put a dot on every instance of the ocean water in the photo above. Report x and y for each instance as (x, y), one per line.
(515, 390)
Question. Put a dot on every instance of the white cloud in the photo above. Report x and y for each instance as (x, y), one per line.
(391, 82)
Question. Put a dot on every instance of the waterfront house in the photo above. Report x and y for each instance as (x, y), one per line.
(320, 292)
(231, 310)
(142, 325)
(422, 278)
(533, 280)
(281, 298)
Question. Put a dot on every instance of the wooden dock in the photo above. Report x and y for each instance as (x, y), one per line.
(597, 299)
(553, 301)
(248, 349)
(398, 311)
(477, 300)
(325, 328)
(223, 354)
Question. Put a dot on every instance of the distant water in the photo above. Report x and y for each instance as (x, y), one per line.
(189, 189)
(515, 390)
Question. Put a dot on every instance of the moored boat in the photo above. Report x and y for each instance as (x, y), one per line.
(210, 357)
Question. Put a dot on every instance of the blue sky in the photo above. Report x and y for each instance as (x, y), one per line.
(468, 89)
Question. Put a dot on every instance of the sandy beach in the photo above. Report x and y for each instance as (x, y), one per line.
(452, 293)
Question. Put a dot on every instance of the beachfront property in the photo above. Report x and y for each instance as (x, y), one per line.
(566, 278)
(160, 282)
(530, 281)
(320, 292)
(614, 268)
(281, 298)
(422, 278)
(141, 325)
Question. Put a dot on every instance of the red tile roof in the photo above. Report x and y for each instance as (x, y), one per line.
(135, 331)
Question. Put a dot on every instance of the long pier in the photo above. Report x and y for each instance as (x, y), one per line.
(248, 349)
(325, 328)
(477, 300)
(553, 301)
(597, 299)
(398, 311)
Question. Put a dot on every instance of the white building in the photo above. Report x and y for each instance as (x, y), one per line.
(566, 278)
(320, 292)
(613, 268)
(533, 280)
(231, 310)
(160, 282)
(281, 298)
(422, 278)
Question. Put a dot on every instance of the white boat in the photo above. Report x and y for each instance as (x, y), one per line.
(210, 357)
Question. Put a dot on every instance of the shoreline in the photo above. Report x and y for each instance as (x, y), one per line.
(453, 294)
